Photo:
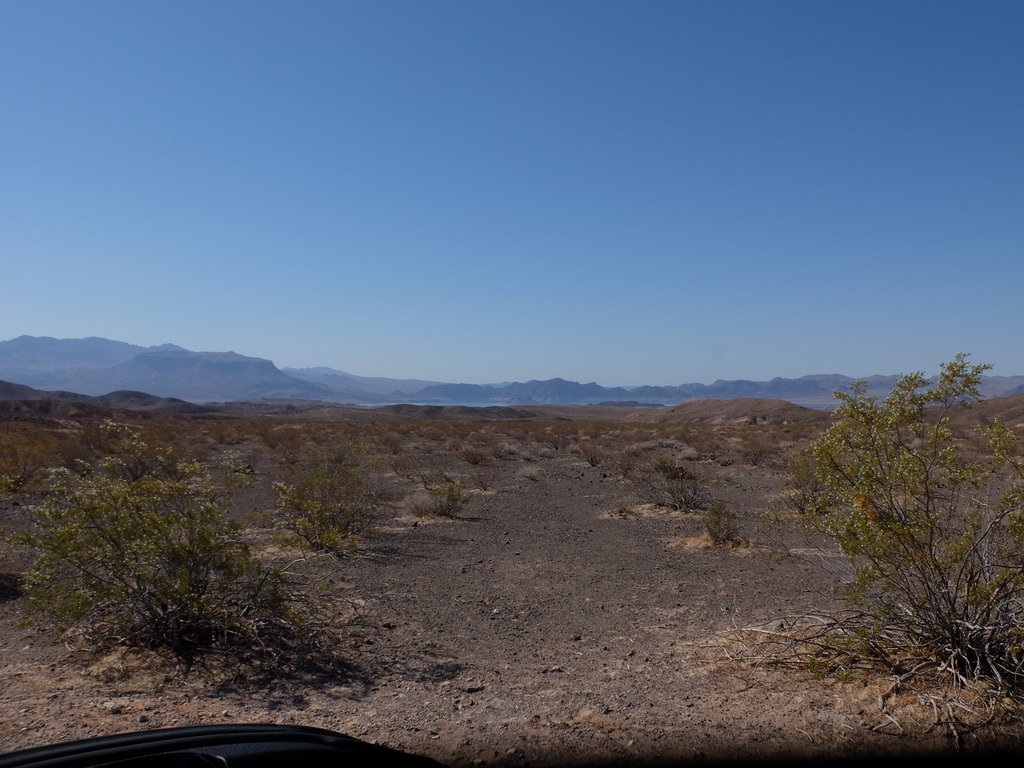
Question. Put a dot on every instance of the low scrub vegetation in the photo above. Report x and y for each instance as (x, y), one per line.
(721, 525)
(141, 537)
(138, 549)
(446, 500)
(24, 458)
(673, 484)
(329, 495)
(933, 529)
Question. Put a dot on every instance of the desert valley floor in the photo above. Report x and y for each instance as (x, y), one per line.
(560, 618)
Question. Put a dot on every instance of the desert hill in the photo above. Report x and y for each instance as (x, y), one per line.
(17, 399)
(1009, 410)
(742, 410)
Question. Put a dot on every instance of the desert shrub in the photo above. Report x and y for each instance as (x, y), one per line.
(554, 437)
(123, 447)
(721, 524)
(504, 450)
(285, 437)
(329, 495)
(446, 500)
(934, 532)
(391, 441)
(669, 483)
(449, 500)
(25, 457)
(402, 465)
(628, 460)
(138, 549)
(804, 487)
(484, 477)
(472, 454)
(591, 451)
(220, 432)
(757, 448)
(434, 476)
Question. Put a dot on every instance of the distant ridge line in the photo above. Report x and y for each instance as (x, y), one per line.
(95, 366)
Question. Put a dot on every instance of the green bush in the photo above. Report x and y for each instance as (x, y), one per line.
(329, 496)
(24, 458)
(933, 528)
(139, 550)
(721, 524)
(447, 500)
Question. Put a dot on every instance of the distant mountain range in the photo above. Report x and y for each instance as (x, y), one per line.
(96, 366)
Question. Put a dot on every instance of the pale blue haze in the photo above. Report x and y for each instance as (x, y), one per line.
(621, 192)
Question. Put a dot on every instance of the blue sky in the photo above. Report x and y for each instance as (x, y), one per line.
(620, 192)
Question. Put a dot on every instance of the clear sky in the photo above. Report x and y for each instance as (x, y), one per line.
(623, 192)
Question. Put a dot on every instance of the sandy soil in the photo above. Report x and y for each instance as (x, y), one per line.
(558, 622)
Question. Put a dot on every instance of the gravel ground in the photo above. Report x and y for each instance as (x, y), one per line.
(557, 622)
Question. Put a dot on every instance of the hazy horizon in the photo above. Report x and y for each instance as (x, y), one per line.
(632, 385)
(479, 192)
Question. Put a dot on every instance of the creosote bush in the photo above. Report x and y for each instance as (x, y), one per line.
(24, 459)
(721, 525)
(933, 529)
(671, 484)
(138, 549)
(329, 496)
(591, 450)
(446, 500)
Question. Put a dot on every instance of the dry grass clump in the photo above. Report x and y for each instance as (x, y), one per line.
(834, 647)
(591, 450)
(670, 483)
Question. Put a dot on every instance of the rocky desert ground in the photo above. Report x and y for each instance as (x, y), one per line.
(562, 617)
